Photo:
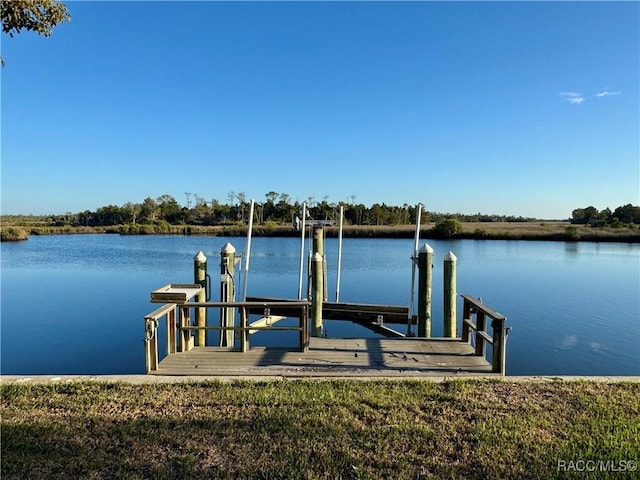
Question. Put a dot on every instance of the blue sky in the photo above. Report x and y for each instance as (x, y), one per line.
(515, 108)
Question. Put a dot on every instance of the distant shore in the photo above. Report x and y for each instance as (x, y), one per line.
(539, 230)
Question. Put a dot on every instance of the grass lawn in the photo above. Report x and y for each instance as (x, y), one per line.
(321, 430)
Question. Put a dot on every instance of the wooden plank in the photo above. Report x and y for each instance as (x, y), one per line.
(171, 332)
(186, 339)
(381, 329)
(364, 312)
(159, 312)
(481, 306)
(334, 357)
(469, 323)
(264, 322)
(487, 338)
(176, 293)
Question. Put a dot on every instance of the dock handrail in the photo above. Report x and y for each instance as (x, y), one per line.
(168, 311)
(183, 328)
(498, 338)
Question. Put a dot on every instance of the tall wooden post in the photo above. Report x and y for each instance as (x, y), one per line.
(318, 240)
(200, 277)
(227, 290)
(317, 295)
(318, 246)
(499, 346)
(450, 295)
(425, 277)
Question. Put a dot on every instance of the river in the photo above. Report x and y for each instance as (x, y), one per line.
(74, 304)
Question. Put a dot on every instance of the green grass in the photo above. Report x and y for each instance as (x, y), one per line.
(318, 430)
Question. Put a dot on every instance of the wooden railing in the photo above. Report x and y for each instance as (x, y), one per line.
(168, 311)
(498, 339)
(179, 333)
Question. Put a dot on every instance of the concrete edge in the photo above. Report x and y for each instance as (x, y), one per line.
(160, 379)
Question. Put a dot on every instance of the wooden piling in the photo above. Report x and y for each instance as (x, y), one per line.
(200, 277)
(227, 292)
(318, 246)
(317, 294)
(450, 295)
(499, 346)
(425, 277)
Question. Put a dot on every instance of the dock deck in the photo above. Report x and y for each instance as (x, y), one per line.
(329, 357)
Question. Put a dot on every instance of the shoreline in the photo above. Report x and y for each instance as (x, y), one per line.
(526, 231)
(138, 379)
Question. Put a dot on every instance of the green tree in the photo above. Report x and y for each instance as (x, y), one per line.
(584, 216)
(269, 207)
(627, 214)
(447, 228)
(169, 208)
(132, 210)
(32, 15)
(110, 215)
(379, 213)
(200, 212)
(148, 210)
(284, 210)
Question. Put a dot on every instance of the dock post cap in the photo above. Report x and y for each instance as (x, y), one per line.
(426, 248)
(450, 257)
(228, 248)
(200, 257)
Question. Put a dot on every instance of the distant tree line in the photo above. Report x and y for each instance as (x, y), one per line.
(623, 215)
(278, 209)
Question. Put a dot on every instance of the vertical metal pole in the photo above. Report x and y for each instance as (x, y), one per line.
(413, 269)
(200, 277)
(450, 295)
(425, 277)
(339, 253)
(302, 234)
(246, 264)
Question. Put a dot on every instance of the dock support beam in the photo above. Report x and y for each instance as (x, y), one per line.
(227, 293)
(317, 294)
(200, 277)
(425, 277)
(450, 295)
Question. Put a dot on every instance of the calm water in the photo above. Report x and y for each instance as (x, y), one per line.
(74, 304)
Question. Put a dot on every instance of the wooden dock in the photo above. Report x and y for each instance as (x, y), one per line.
(329, 357)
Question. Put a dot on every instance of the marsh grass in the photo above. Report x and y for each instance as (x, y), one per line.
(551, 230)
(317, 430)
(13, 234)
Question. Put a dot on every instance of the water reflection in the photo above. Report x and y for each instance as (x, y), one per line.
(573, 306)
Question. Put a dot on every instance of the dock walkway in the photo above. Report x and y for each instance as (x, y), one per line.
(334, 357)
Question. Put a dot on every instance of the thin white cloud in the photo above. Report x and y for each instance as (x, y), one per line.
(572, 97)
(607, 93)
